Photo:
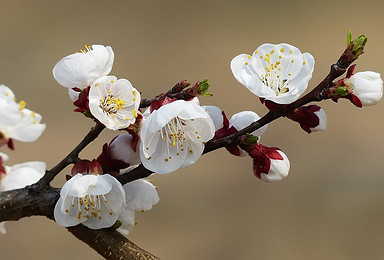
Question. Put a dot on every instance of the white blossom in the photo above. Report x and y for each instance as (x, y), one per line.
(93, 200)
(279, 73)
(114, 102)
(81, 69)
(174, 135)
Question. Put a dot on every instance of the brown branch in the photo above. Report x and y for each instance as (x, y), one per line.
(29, 201)
(135, 174)
(110, 244)
(315, 95)
(72, 157)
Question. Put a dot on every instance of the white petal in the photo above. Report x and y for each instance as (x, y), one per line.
(64, 219)
(106, 220)
(140, 195)
(21, 175)
(323, 120)
(160, 162)
(9, 114)
(2, 228)
(75, 70)
(103, 57)
(81, 69)
(245, 118)
(29, 128)
(121, 149)
(367, 86)
(240, 69)
(73, 95)
(127, 218)
(164, 114)
(216, 115)
(6, 92)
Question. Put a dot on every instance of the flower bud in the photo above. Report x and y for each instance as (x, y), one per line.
(367, 86)
(86, 167)
(245, 118)
(119, 154)
(200, 88)
(203, 88)
(311, 118)
(237, 122)
(354, 49)
(270, 164)
(121, 149)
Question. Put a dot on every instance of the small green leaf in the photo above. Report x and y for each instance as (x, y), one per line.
(349, 37)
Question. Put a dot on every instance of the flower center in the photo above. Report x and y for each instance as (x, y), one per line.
(111, 105)
(90, 205)
(174, 134)
(273, 77)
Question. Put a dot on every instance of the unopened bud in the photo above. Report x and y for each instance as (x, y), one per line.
(270, 164)
(311, 118)
(354, 49)
(367, 86)
(203, 88)
(180, 86)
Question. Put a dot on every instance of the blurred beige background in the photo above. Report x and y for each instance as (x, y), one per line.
(330, 207)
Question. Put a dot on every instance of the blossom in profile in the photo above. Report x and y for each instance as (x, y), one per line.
(114, 102)
(93, 200)
(16, 121)
(140, 195)
(276, 72)
(81, 69)
(19, 175)
(174, 135)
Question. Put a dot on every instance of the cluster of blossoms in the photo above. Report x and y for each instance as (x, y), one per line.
(171, 133)
(278, 75)
(21, 124)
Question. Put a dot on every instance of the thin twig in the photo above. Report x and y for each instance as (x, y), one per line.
(72, 157)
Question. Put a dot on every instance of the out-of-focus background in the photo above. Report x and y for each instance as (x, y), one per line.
(331, 206)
